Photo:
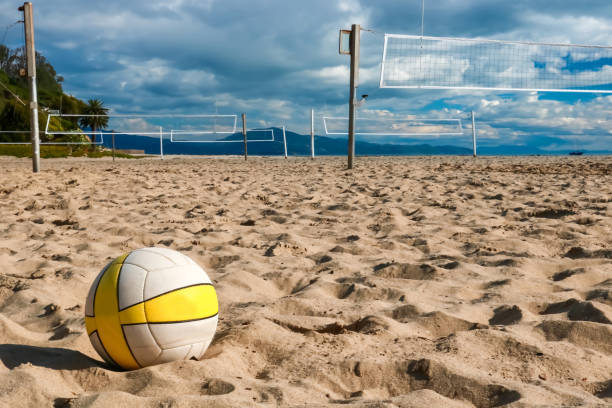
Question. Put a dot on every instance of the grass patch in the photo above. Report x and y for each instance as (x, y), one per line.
(51, 152)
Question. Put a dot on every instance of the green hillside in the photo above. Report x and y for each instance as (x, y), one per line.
(14, 115)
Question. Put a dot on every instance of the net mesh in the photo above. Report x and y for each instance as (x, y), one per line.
(22, 137)
(140, 125)
(459, 63)
(394, 127)
(253, 135)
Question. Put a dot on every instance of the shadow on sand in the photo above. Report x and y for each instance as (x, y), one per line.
(13, 355)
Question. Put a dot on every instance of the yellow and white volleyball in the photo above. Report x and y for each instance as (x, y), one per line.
(151, 306)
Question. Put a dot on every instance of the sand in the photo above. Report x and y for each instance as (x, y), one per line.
(407, 282)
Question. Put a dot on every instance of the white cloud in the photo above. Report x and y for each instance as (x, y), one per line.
(66, 45)
(276, 59)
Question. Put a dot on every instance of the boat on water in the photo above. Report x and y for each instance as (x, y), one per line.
(576, 153)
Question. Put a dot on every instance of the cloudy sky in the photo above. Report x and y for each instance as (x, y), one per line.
(276, 60)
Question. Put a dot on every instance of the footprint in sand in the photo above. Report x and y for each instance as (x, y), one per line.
(583, 311)
(215, 386)
(405, 271)
(559, 276)
(506, 315)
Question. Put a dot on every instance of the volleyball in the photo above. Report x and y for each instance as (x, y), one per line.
(151, 306)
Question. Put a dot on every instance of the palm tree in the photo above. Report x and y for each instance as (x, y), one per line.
(96, 117)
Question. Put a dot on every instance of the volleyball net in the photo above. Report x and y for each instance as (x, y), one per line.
(23, 137)
(394, 126)
(411, 61)
(210, 126)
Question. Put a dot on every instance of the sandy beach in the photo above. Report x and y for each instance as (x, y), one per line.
(407, 282)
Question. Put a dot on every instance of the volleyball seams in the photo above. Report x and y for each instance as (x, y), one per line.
(147, 274)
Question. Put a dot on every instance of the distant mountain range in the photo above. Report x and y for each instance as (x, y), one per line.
(299, 145)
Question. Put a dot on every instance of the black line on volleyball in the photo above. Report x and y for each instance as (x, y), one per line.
(117, 286)
(161, 294)
(112, 361)
(128, 346)
(177, 321)
(96, 290)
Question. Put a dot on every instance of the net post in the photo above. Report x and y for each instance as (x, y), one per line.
(28, 19)
(47, 124)
(354, 40)
(285, 142)
(244, 135)
(161, 143)
(312, 150)
(474, 133)
(113, 137)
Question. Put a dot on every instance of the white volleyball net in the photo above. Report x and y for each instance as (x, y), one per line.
(252, 135)
(411, 61)
(169, 129)
(23, 137)
(394, 127)
(210, 126)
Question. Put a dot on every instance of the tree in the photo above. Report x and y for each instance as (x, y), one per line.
(99, 120)
(5, 53)
(15, 117)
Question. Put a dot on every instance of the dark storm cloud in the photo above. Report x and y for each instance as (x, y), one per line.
(273, 59)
